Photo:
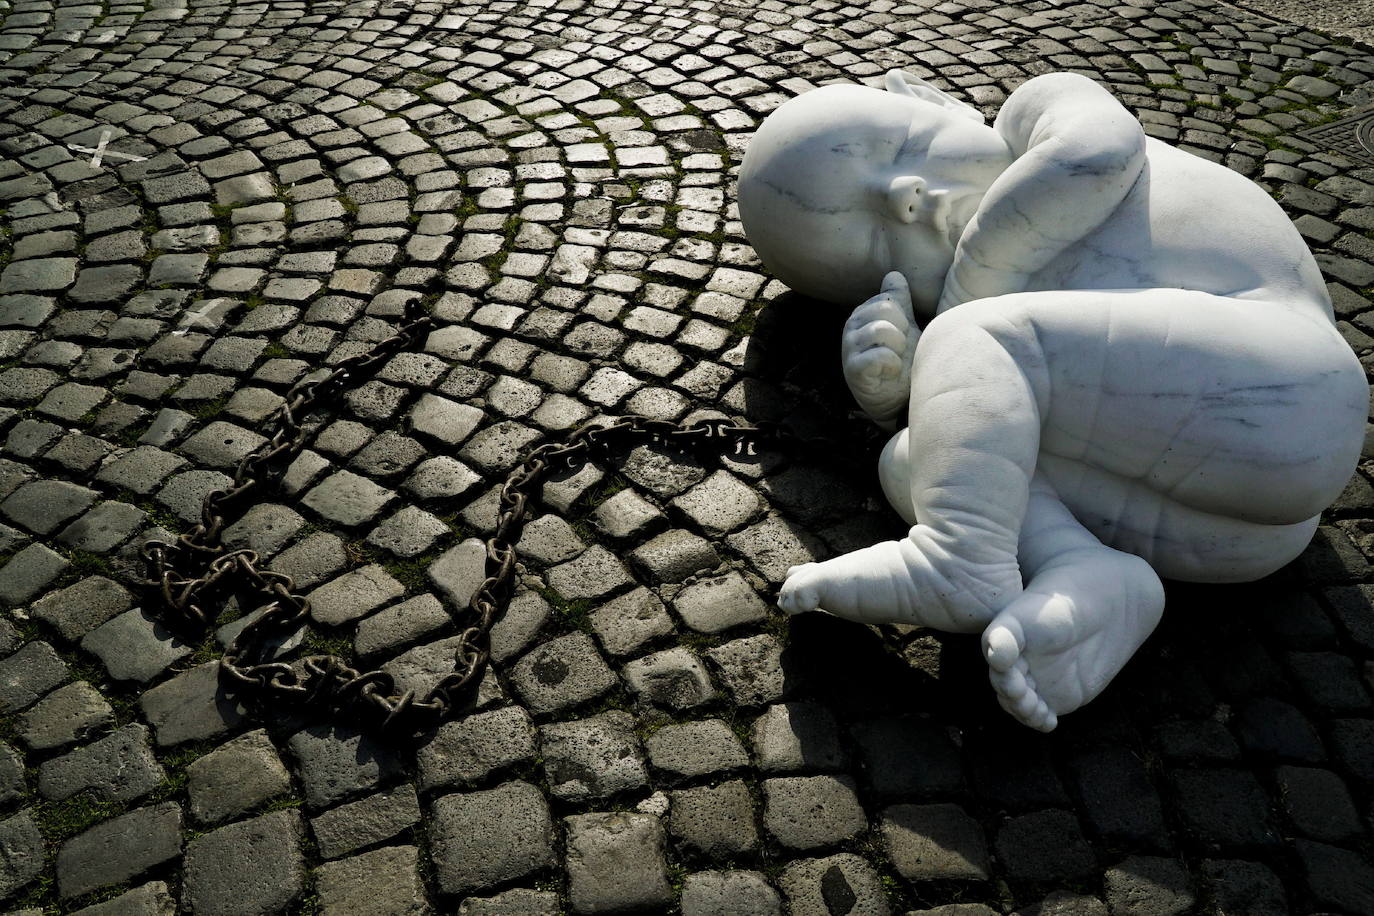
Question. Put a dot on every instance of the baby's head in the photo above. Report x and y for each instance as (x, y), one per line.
(844, 183)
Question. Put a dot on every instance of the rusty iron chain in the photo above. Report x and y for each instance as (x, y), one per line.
(197, 568)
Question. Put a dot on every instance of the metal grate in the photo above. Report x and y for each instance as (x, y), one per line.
(1352, 136)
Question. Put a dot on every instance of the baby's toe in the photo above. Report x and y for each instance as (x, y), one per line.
(1003, 642)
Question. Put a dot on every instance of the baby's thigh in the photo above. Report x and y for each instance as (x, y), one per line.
(1233, 407)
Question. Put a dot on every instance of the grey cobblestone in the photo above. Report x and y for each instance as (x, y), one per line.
(64, 717)
(518, 902)
(807, 812)
(844, 882)
(934, 842)
(729, 893)
(151, 899)
(716, 821)
(79, 608)
(384, 882)
(28, 674)
(562, 673)
(615, 863)
(235, 777)
(592, 758)
(696, 748)
(192, 706)
(118, 768)
(135, 646)
(21, 859)
(797, 736)
(362, 823)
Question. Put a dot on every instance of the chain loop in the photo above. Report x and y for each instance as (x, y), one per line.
(327, 680)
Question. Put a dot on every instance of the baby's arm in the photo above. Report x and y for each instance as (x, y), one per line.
(1078, 152)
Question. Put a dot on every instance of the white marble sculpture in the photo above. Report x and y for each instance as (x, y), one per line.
(1142, 376)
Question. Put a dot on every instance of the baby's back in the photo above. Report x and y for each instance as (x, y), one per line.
(1192, 224)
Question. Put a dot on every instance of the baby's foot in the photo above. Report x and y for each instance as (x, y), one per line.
(912, 581)
(1076, 625)
(879, 341)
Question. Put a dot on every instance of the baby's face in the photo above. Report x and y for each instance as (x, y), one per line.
(845, 183)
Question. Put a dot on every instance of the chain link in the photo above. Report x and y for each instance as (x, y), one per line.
(195, 569)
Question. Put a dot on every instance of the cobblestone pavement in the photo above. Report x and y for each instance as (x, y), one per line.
(204, 202)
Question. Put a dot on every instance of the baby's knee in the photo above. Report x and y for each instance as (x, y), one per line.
(1008, 321)
(894, 473)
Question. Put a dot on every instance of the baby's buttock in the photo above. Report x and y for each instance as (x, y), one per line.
(1220, 406)
(1178, 541)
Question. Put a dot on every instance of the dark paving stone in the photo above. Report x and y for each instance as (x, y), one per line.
(1065, 903)
(118, 768)
(518, 902)
(1014, 769)
(12, 783)
(151, 899)
(119, 849)
(192, 706)
(1149, 886)
(252, 866)
(1240, 888)
(235, 777)
(1120, 804)
(934, 842)
(23, 855)
(1044, 846)
(83, 606)
(1337, 877)
(1318, 804)
(1271, 727)
(907, 757)
(1224, 808)
(798, 736)
(483, 839)
(65, 716)
(337, 762)
(28, 674)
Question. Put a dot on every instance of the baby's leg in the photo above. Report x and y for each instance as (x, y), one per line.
(977, 381)
(1234, 407)
(1085, 611)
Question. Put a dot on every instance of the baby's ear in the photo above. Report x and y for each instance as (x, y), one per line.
(904, 83)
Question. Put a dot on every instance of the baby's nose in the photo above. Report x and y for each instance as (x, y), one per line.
(910, 199)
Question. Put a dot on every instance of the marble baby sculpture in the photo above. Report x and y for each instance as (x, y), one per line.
(1105, 361)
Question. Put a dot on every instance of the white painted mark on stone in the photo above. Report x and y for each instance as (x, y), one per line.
(100, 151)
(193, 319)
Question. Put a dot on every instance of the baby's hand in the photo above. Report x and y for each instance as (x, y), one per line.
(879, 342)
